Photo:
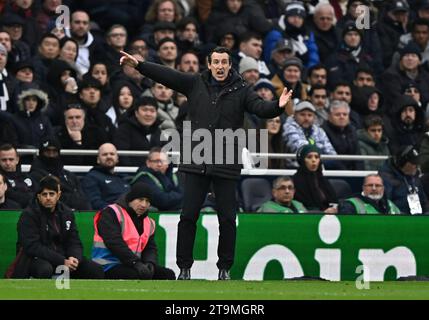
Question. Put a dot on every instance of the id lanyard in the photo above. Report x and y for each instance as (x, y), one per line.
(413, 199)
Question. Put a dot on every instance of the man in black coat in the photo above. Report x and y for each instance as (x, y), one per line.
(139, 130)
(217, 99)
(48, 236)
(342, 135)
(115, 240)
(408, 69)
(21, 187)
(5, 202)
(48, 162)
(404, 125)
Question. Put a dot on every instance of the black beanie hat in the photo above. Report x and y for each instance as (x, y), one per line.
(304, 150)
(411, 47)
(139, 190)
(50, 142)
(409, 154)
(49, 182)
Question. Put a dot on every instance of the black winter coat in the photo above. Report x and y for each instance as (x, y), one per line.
(50, 236)
(110, 230)
(344, 141)
(249, 18)
(393, 80)
(401, 135)
(211, 109)
(20, 187)
(71, 191)
(131, 135)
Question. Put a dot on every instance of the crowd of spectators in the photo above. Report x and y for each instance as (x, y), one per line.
(356, 90)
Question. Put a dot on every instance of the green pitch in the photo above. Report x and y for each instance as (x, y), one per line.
(210, 290)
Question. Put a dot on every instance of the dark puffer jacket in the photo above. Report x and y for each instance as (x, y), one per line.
(50, 236)
(131, 135)
(32, 127)
(71, 191)
(212, 107)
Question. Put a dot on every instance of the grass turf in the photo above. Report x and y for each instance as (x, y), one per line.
(210, 290)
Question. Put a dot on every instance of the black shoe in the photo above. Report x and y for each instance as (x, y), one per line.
(224, 275)
(185, 274)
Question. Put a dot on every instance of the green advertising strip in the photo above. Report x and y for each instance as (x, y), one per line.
(278, 246)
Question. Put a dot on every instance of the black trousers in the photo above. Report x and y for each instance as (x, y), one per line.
(87, 269)
(196, 188)
(128, 273)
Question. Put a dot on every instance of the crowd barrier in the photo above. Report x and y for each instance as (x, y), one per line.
(277, 246)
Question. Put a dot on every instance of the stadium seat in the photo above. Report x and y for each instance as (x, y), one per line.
(255, 191)
(342, 188)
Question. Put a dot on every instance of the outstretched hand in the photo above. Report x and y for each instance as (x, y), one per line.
(285, 97)
(128, 59)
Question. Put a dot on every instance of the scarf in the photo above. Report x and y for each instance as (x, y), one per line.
(4, 93)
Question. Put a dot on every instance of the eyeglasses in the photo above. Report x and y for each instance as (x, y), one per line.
(374, 186)
(158, 161)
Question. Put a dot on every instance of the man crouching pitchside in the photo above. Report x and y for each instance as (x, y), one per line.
(217, 99)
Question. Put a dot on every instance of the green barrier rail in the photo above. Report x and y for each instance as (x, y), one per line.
(277, 246)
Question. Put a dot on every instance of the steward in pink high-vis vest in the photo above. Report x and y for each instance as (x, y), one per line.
(124, 243)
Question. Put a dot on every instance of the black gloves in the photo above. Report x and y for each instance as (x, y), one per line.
(145, 270)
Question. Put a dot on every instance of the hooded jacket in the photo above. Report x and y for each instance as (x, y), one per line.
(132, 135)
(400, 134)
(32, 127)
(361, 96)
(72, 194)
(304, 42)
(58, 97)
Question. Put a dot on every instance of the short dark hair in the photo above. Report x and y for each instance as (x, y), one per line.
(316, 67)
(154, 150)
(145, 101)
(248, 35)
(219, 50)
(49, 35)
(365, 69)
(7, 147)
(49, 182)
(341, 83)
(419, 22)
(316, 87)
(372, 120)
